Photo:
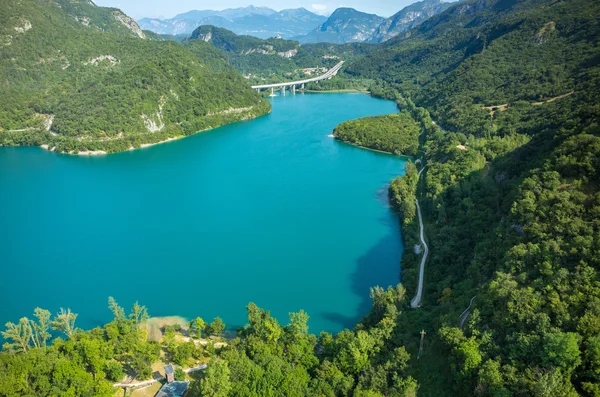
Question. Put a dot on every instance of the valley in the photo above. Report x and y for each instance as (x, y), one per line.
(454, 261)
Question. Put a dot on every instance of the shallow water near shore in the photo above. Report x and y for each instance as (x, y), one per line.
(270, 210)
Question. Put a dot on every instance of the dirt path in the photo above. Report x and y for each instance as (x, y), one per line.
(553, 99)
(501, 108)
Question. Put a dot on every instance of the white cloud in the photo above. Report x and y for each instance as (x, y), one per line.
(319, 8)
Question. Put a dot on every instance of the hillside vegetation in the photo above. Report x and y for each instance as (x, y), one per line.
(277, 60)
(507, 96)
(509, 193)
(393, 133)
(266, 358)
(100, 83)
(228, 41)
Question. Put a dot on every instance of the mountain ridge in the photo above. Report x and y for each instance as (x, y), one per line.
(344, 25)
(407, 18)
(101, 84)
(262, 22)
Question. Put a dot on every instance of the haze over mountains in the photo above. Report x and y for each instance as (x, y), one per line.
(262, 22)
(345, 25)
(407, 18)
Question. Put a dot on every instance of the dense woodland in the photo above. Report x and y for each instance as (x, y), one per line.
(393, 133)
(94, 84)
(511, 206)
(265, 358)
(277, 60)
(509, 195)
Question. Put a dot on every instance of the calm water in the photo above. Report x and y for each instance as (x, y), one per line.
(270, 210)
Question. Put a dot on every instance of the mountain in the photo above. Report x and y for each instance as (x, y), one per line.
(407, 18)
(182, 26)
(505, 200)
(264, 60)
(345, 25)
(260, 22)
(229, 13)
(507, 95)
(228, 41)
(77, 77)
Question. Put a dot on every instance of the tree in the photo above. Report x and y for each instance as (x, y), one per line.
(561, 350)
(91, 353)
(197, 325)
(20, 334)
(550, 383)
(216, 327)
(142, 367)
(117, 310)
(113, 370)
(40, 329)
(298, 323)
(183, 352)
(65, 322)
(179, 374)
(216, 382)
(139, 314)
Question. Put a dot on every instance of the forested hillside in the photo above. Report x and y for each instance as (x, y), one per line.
(506, 95)
(509, 194)
(407, 18)
(77, 77)
(265, 359)
(344, 25)
(228, 41)
(274, 60)
(393, 133)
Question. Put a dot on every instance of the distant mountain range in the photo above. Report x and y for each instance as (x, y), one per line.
(345, 25)
(407, 18)
(262, 22)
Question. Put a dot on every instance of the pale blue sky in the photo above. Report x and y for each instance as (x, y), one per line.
(161, 8)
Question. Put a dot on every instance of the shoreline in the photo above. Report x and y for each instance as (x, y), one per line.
(341, 91)
(371, 149)
(145, 145)
(47, 147)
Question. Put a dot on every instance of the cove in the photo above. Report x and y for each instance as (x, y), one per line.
(270, 210)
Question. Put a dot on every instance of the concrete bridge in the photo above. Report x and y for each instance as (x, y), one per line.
(293, 84)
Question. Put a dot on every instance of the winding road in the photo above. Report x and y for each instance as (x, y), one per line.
(463, 317)
(416, 301)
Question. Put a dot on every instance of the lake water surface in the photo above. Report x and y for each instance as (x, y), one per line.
(270, 210)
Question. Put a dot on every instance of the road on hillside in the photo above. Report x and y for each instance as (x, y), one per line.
(416, 301)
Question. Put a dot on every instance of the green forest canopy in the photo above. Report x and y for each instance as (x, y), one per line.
(393, 133)
(95, 84)
(509, 194)
(511, 208)
(265, 358)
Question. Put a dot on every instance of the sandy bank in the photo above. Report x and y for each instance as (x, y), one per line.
(143, 145)
(80, 153)
(154, 324)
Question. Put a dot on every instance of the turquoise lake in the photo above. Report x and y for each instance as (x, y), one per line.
(270, 210)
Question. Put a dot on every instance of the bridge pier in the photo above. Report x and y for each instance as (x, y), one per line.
(282, 90)
(294, 89)
(272, 93)
(302, 87)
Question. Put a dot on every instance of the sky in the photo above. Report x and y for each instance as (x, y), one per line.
(168, 9)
